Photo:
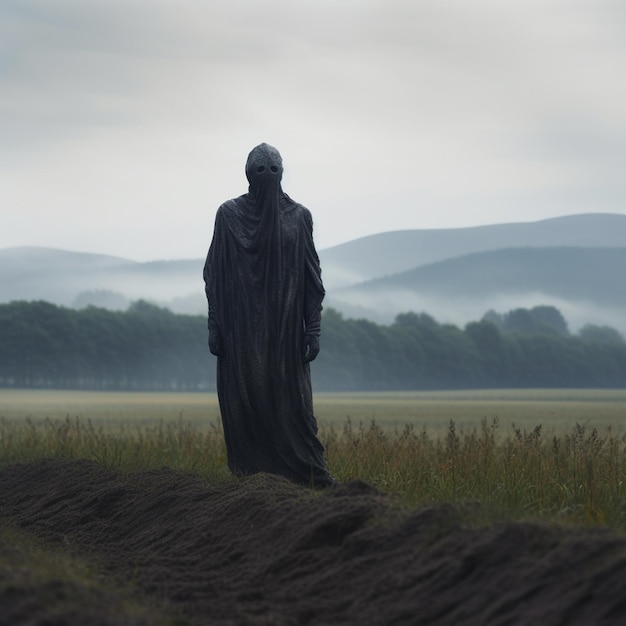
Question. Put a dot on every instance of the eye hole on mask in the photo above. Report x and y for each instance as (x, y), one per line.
(274, 169)
(260, 169)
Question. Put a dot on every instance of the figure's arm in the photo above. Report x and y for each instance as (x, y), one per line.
(215, 334)
(313, 296)
(311, 346)
(312, 328)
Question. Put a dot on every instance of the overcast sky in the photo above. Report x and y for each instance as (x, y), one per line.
(124, 124)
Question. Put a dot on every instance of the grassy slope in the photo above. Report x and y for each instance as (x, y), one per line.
(42, 585)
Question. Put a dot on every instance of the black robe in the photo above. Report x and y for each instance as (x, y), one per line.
(264, 287)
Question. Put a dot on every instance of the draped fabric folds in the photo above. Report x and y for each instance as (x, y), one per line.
(264, 289)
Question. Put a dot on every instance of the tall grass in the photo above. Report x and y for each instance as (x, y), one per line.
(577, 476)
(178, 444)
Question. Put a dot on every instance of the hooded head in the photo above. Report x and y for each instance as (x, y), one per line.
(264, 167)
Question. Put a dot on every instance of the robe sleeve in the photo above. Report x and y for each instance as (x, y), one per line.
(314, 288)
(211, 268)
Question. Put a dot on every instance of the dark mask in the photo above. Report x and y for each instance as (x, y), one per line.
(264, 167)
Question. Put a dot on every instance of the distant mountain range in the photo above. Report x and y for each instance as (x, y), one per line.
(576, 263)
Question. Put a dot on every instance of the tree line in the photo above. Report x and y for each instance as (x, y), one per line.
(142, 348)
(150, 348)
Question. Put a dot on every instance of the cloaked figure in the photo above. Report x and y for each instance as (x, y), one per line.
(264, 290)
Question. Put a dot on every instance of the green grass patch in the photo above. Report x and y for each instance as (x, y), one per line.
(49, 586)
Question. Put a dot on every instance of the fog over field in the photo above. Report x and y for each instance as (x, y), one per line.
(575, 263)
(463, 310)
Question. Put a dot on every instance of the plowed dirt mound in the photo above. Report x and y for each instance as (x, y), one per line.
(264, 551)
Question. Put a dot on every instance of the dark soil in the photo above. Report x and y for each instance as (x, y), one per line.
(264, 551)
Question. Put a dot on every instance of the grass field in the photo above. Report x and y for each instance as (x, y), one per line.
(497, 456)
(558, 409)
(553, 454)
(554, 409)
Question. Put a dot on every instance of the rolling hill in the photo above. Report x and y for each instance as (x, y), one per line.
(389, 253)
